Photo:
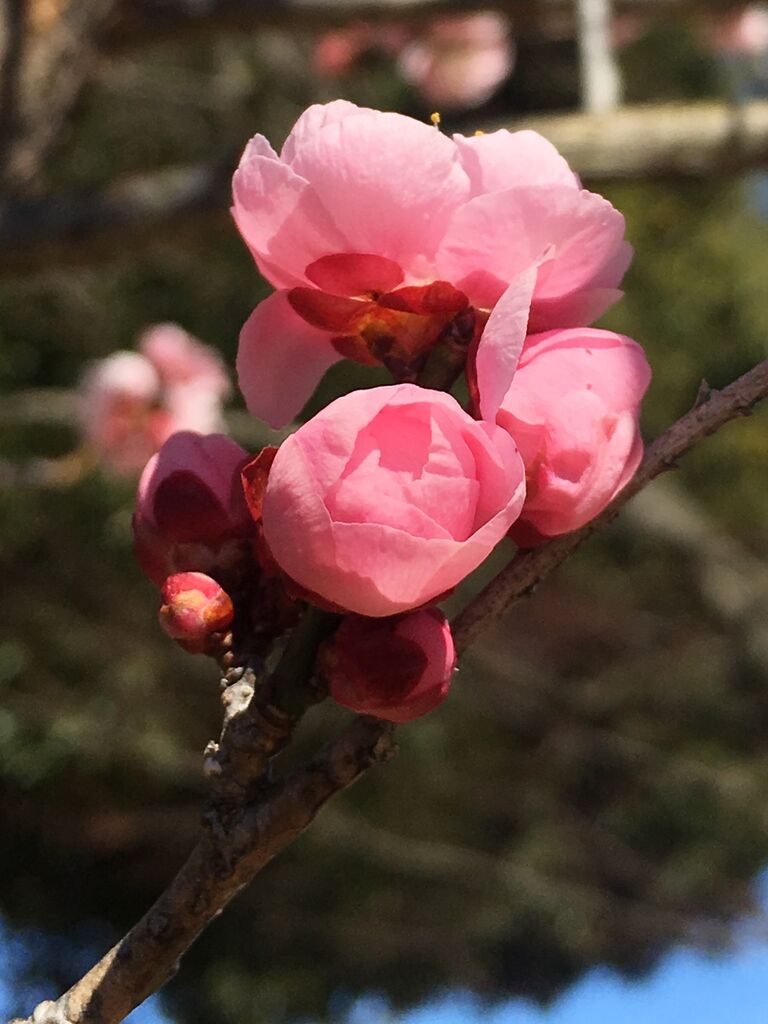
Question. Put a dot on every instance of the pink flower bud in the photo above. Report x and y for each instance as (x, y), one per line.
(388, 498)
(573, 411)
(190, 509)
(194, 608)
(398, 668)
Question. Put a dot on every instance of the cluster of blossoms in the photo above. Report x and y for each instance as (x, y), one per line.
(391, 244)
(131, 402)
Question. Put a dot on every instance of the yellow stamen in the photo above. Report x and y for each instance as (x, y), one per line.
(435, 118)
(478, 132)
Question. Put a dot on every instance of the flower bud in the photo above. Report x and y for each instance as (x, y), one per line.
(194, 608)
(191, 513)
(397, 668)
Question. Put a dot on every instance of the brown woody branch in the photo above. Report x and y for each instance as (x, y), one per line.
(659, 140)
(53, 64)
(236, 844)
(229, 853)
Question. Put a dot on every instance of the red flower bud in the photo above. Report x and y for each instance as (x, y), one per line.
(190, 509)
(396, 668)
(194, 607)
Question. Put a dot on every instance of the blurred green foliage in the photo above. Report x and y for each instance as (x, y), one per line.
(594, 790)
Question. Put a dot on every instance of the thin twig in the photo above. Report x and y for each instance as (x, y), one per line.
(227, 856)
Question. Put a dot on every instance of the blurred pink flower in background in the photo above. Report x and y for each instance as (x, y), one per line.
(337, 51)
(459, 61)
(743, 31)
(455, 61)
(131, 402)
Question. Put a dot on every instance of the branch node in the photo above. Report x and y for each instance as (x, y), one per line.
(703, 395)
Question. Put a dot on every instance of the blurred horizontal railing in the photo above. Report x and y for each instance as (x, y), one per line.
(673, 140)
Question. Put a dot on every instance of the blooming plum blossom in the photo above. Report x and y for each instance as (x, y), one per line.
(388, 498)
(131, 402)
(194, 608)
(191, 513)
(395, 668)
(573, 411)
(379, 232)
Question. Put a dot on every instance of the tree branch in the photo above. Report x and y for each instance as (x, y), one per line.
(57, 63)
(528, 568)
(229, 853)
(236, 841)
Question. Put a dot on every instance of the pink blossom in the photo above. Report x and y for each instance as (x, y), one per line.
(119, 411)
(388, 498)
(194, 608)
(573, 411)
(131, 402)
(336, 51)
(395, 668)
(459, 61)
(379, 231)
(741, 31)
(195, 382)
(191, 513)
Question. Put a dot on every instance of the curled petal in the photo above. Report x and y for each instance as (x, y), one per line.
(501, 343)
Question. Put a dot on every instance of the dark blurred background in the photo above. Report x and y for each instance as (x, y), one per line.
(596, 789)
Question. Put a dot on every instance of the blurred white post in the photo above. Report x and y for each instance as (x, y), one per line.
(600, 78)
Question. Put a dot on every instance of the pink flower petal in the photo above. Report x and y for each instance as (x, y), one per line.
(312, 120)
(348, 273)
(502, 160)
(281, 360)
(279, 216)
(388, 182)
(577, 237)
(502, 341)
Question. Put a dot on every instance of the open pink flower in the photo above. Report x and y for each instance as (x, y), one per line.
(396, 668)
(191, 514)
(573, 411)
(379, 231)
(389, 497)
